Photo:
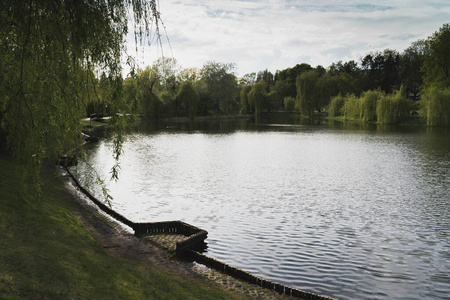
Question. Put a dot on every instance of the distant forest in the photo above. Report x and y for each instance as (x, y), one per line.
(381, 87)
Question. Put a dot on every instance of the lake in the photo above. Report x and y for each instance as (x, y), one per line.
(346, 211)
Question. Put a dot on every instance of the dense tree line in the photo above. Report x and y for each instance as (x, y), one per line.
(420, 72)
(165, 90)
(380, 87)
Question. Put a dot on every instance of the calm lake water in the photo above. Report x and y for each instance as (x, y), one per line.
(352, 212)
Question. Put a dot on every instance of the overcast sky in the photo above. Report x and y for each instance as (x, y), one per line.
(276, 34)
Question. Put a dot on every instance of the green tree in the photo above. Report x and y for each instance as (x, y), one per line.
(192, 74)
(248, 79)
(351, 107)
(282, 90)
(381, 70)
(48, 50)
(435, 105)
(170, 106)
(289, 104)
(267, 77)
(289, 76)
(130, 91)
(368, 105)
(207, 102)
(221, 84)
(411, 63)
(272, 102)
(392, 106)
(147, 93)
(257, 96)
(243, 95)
(336, 68)
(390, 76)
(437, 58)
(335, 108)
(189, 98)
(151, 105)
(167, 74)
(307, 93)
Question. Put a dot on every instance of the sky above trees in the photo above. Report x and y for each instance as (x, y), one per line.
(276, 34)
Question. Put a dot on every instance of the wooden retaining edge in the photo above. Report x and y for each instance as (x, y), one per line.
(196, 236)
(250, 278)
(101, 205)
(193, 242)
(169, 227)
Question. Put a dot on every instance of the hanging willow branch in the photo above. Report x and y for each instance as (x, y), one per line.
(46, 49)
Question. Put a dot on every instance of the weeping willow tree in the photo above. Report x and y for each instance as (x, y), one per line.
(435, 104)
(368, 106)
(257, 96)
(335, 108)
(243, 96)
(352, 107)
(49, 53)
(392, 106)
(307, 93)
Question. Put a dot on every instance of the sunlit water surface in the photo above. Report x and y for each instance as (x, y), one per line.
(347, 213)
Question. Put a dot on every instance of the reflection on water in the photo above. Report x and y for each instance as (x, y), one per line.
(349, 212)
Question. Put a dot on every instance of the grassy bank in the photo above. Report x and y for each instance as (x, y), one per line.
(46, 252)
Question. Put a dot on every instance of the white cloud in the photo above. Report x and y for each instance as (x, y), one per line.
(272, 34)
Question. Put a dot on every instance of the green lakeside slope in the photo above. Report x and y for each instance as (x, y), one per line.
(46, 253)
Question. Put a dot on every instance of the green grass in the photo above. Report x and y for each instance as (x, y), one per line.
(46, 253)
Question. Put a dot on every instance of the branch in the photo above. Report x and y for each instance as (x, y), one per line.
(24, 48)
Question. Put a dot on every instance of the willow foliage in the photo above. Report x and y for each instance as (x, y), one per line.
(368, 105)
(392, 106)
(352, 107)
(307, 93)
(289, 104)
(243, 96)
(435, 105)
(336, 106)
(49, 53)
(257, 96)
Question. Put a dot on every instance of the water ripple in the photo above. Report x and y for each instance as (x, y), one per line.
(348, 214)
